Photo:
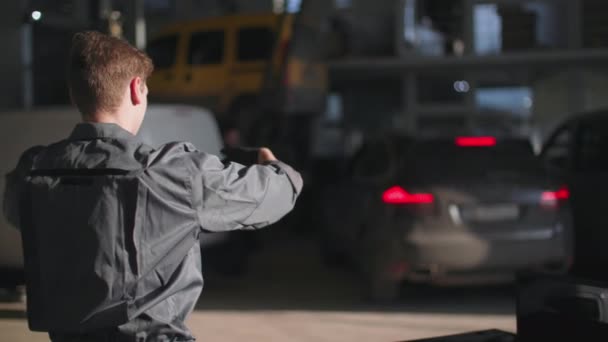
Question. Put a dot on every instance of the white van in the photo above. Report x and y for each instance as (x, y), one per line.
(20, 130)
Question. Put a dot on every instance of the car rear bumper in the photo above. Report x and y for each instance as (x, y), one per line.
(470, 257)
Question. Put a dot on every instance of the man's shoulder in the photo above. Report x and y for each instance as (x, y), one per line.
(176, 152)
(28, 156)
(33, 151)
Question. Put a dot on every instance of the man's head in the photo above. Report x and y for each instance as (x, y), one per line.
(107, 80)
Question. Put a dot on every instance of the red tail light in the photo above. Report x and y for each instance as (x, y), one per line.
(398, 195)
(475, 141)
(553, 198)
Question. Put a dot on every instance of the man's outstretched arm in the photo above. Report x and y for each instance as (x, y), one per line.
(235, 196)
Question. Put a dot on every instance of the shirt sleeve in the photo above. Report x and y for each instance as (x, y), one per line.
(14, 186)
(235, 196)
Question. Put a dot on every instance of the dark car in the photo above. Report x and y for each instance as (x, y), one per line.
(462, 210)
(577, 154)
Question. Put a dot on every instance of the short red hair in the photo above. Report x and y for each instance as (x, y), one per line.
(100, 67)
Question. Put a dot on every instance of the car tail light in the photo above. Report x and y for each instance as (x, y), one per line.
(398, 195)
(475, 141)
(552, 199)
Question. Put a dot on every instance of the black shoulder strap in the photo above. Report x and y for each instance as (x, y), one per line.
(78, 172)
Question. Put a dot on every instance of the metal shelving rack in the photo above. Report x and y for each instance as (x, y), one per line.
(519, 66)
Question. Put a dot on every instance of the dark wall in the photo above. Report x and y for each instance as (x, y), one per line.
(10, 61)
(51, 50)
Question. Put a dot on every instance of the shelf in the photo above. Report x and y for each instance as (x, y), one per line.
(355, 68)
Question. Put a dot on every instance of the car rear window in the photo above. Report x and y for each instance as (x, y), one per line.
(431, 159)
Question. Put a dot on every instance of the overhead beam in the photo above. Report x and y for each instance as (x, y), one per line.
(523, 60)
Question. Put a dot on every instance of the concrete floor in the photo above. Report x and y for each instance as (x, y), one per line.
(289, 296)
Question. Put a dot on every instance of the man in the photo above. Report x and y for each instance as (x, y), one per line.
(110, 226)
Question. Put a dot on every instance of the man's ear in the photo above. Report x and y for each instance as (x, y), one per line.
(136, 89)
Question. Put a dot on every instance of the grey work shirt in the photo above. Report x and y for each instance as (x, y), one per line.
(118, 258)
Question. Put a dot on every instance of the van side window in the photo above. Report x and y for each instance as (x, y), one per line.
(255, 44)
(206, 48)
(163, 51)
(593, 144)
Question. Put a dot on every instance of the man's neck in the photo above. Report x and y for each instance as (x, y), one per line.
(110, 119)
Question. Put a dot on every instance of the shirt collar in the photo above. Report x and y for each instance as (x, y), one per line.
(96, 130)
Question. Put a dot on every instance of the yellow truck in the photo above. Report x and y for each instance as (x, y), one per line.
(242, 67)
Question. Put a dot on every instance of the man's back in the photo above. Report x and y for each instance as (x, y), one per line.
(111, 229)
